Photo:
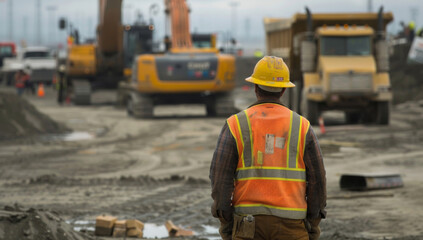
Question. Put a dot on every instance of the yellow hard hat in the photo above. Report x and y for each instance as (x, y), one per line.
(271, 72)
(411, 25)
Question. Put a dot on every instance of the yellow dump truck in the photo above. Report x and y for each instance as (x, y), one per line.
(337, 61)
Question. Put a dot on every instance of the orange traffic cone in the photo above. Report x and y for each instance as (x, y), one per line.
(322, 125)
(40, 92)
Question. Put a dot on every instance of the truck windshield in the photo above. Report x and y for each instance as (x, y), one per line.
(345, 46)
(6, 51)
(36, 54)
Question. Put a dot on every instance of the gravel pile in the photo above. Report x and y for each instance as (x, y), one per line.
(19, 118)
(19, 223)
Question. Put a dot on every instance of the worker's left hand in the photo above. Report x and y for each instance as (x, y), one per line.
(313, 228)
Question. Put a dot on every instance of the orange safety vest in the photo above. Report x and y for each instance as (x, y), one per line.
(270, 177)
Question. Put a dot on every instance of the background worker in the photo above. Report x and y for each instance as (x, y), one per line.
(21, 81)
(267, 173)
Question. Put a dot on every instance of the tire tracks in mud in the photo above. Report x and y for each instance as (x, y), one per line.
(185, 203)
(71, 149)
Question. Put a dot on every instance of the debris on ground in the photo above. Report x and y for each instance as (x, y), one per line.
(120, 229)
(19, 118)
(134, 228)
(175, 231)
(35, 224)
(104, 225)
(354, 196)
(107, 226)
(361, 182)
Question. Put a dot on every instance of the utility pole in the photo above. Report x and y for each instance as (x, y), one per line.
(369, 5)
(52, 29)
(233, 5)
(25, 28)
(38, 26)
(10, 20)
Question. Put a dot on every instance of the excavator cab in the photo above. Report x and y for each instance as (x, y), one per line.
(203, 40)
(137, 39)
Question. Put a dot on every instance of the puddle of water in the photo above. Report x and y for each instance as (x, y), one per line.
(79, 225)
(210, 229)
(78, 229)
(155, 231)
(77, 136)
(151, 230)
(69, 137)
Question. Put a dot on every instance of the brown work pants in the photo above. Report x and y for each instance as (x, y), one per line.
(275, 228)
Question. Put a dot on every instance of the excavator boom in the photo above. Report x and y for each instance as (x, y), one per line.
(178, 12)
(109, 30)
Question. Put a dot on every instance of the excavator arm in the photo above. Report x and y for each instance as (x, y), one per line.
(109, 30)
(110, 37)
(177, 12)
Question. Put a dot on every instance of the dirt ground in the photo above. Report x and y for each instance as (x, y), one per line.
(157, 169)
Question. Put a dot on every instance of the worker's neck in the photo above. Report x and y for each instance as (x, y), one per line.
(267, 99)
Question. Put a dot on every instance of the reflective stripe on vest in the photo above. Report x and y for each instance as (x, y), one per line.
(270, 173)
(261, 209)
(270, 177)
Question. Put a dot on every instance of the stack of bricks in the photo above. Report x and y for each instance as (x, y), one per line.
(104, 225)
(119, 229)
(109, 226)
(134, 228)
(175, 231)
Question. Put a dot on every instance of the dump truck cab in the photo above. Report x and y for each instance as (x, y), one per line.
(346, 76)
(338, 61)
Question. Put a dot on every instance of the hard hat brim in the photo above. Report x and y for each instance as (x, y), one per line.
(269, 83)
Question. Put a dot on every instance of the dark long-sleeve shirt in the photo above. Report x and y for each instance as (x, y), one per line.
(224, 164)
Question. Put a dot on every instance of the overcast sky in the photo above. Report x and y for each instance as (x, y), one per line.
(206, 15)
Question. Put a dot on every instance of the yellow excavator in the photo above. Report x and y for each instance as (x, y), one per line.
(102, 65)
(184, 74)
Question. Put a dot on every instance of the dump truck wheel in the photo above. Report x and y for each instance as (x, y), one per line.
(139, 106)
(298, 95)
(352, 117)
(382, 111)
(313, 112)
(81, 92)
(310, 109)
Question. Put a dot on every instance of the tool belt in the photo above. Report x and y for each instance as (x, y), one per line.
(244, 227)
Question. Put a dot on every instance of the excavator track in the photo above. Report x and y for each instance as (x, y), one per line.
(140, 106)
(222, 105)
(82, 92)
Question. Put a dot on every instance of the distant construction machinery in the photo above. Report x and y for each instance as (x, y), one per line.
(183, 74)
(108, 61)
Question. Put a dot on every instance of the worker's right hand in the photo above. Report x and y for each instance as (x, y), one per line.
(225, 229)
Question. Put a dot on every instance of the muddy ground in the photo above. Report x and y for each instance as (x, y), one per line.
(157, 169)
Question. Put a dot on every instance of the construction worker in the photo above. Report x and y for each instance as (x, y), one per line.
(258, 53)
(21, 81)
(267, 173)
(411, 34)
